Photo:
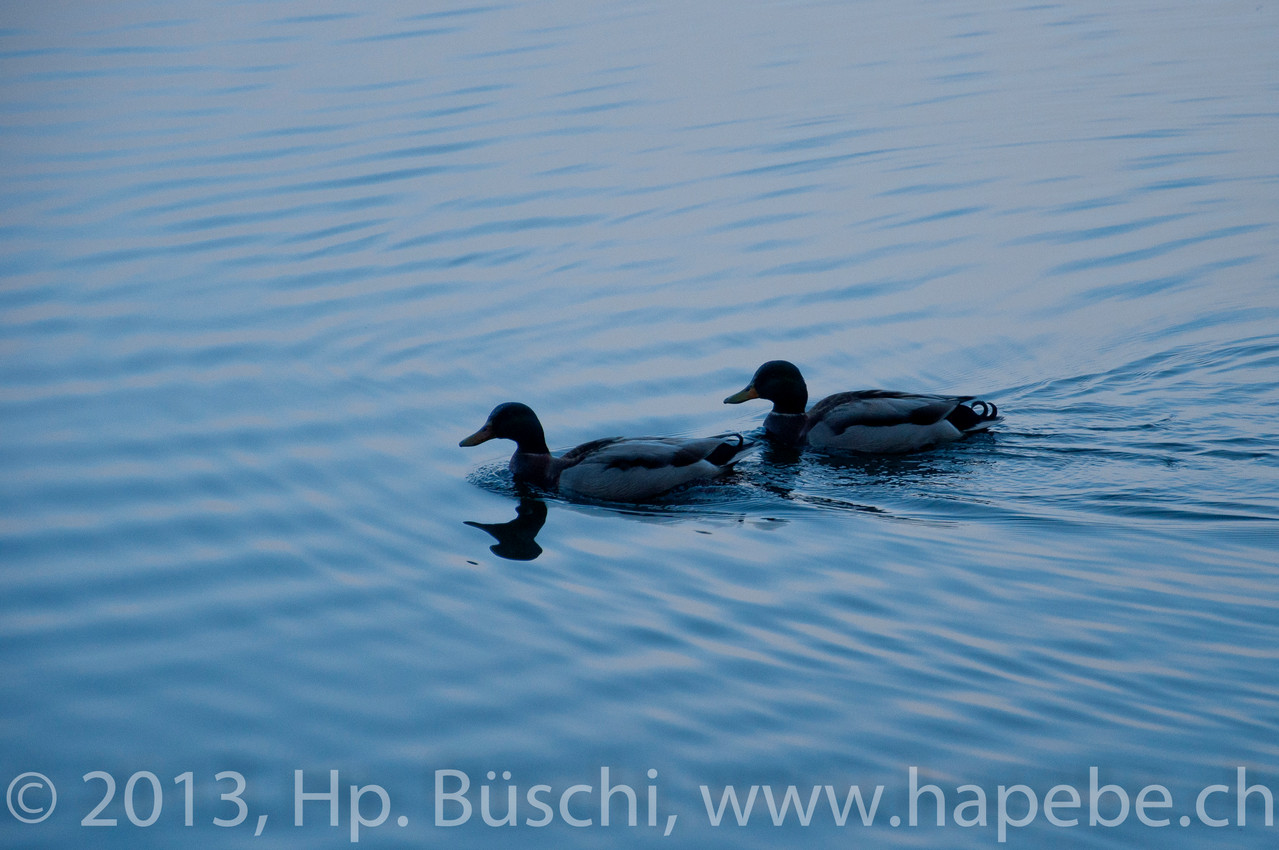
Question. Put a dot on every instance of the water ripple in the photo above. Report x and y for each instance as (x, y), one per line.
(262, 271)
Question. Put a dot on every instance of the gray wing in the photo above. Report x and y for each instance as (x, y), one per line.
(635, 469)
(577, 454)
(882, 408)
(655, 452)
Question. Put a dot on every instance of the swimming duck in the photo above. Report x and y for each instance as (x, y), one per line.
(617, 469)
(874, 421)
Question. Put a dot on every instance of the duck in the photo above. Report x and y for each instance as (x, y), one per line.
(862, 421)
(614, 469)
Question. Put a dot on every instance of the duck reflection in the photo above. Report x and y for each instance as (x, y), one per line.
(900, 468)
(841, 482)
(781, 456)
(517, 539)
(779, 469)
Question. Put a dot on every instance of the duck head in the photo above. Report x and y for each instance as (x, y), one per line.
(512, 421)
(777, 381)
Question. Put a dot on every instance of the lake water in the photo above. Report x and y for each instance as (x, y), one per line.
(264, 264)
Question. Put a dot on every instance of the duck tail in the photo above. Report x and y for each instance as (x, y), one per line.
(973, 415)
(732, 448)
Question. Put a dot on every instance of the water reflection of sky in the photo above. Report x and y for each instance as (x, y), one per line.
(265, 265)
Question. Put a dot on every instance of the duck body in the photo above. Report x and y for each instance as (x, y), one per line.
(614, 469)
(865, 421)
(888, 422)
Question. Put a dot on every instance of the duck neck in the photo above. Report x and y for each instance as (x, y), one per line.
(536, 468)
(785, 428)
(531, 445)
(530, 438)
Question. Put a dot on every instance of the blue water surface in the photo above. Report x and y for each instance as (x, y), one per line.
(264, 264)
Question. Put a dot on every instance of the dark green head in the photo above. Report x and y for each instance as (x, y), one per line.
(777, 381)
(512, 421)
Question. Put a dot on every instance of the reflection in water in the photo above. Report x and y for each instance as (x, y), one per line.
(779, 455)
(904, 468)
(517, 539)
(854, 482)
(779, 470)
(255, 269)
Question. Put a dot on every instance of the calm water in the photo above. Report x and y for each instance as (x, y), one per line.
(264, 264)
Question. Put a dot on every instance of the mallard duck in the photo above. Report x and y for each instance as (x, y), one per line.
(616, 469)
(873, 421)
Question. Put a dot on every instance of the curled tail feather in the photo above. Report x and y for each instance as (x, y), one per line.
(730, 450)
(974, 415)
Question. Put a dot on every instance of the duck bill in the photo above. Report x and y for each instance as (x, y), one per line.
(745, 395)
(481, 436)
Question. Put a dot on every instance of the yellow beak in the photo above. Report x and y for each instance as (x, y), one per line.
(745, 395)
(481, 436)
